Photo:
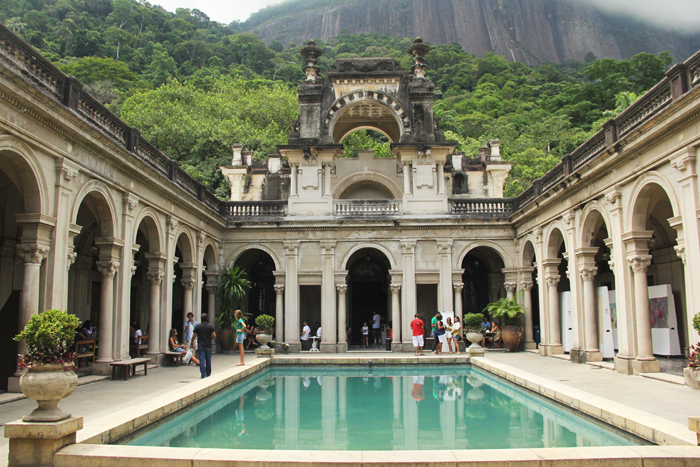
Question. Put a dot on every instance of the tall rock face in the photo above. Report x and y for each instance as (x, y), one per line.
(528, 31)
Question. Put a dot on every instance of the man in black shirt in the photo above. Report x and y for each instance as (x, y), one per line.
(204, 332)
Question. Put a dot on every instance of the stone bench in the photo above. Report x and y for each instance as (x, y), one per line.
(129, 365)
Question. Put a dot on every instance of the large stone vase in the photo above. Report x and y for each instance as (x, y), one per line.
(47, 385)
(264, 339)
(511, 337)
(474, 338)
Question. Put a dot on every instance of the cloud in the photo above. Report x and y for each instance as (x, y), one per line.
(679, 15)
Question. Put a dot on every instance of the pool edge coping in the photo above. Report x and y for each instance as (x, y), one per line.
(655, 429)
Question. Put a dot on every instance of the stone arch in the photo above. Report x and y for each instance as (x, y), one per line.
(367, 178)
(187, 248)
(152, 227)
(210, 256)
(245, 248)
(555, 238)
(391, 118)
(529, 254)
(104, 205)
(22, 166)
(362, 246)
(593, 217)
(641, 199)
(500, 251)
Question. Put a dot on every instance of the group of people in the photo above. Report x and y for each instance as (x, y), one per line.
(198, 337)
(494, 333)
(306, 334)
(446, 332)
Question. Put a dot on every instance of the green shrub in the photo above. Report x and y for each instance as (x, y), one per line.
(49, 337)
(265, 322)
(472, 322)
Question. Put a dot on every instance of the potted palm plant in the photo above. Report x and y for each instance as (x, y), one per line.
(474, 331)
(233, 285)
(509, 312)
(49, 338)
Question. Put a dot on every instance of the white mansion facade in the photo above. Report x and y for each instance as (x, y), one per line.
(97, 221)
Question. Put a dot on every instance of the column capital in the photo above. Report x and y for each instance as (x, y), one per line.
(32, 253)
(155, 277)
(291, 248)
(612, 196)
(279, 289)
(188, 284)
(341, 288)
(71, 259)
(510, 286)
(552, 280)
(172, 223)
(458, 286)
(684, 162)
(108, 268)
(526, 285)
(680, 250)
(408, 247)
(587, 272)
(444, 246)
(395, 288)
(66, 171)
(639, 263)
(328, 247)
(211, 288)
(130, 201)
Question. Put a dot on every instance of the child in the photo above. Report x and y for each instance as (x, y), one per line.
(365, 335)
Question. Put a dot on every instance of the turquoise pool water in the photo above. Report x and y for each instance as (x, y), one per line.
(389, 408)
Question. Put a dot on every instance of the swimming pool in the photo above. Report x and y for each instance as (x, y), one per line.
(370, 409)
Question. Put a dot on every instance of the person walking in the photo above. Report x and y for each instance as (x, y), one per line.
(188, 328)
(240, 335)
(376, 323)
(418, 331)
(205, 334)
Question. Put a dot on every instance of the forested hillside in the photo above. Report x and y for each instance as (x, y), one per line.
(193, 87)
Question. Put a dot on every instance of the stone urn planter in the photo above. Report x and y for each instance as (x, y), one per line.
(47, 384)
(692, 378)
(475, 338)
(511, 337)
(264, 339)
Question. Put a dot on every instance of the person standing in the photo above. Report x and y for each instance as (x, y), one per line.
(240, 334)
(418, 331)
(189, 327)
(365, 335)
(433, 329)
(448, 334)
(205, 334)
(457, 333)
(439, 333)
(305, 333)
(376, 323)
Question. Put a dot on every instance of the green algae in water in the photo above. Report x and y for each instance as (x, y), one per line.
(387, 408)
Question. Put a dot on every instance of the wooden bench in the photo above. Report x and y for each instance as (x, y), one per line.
(174, 357)
(85, 349)
(129, 365)
(137, 350)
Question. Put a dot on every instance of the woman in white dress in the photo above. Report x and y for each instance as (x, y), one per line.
(448, 334)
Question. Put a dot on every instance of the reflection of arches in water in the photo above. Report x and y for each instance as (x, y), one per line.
(368, 284)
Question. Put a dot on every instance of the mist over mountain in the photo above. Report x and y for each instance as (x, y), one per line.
(528, 31)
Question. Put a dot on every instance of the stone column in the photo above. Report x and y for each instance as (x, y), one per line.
(593, 353)
(645, 362)
(188, 286)
(495, 282)
(155, 278)
(406, 177)
(408, 305)
(510, 289)
(444, 249)
(555, 346)
(294, 177)
(62, 241)
(292, 330)
(342, 317)
(211, 286)
(396, 324)
(328, 297)
(327, 181)
(458, 287)
(441, 178)
(526, 287)
(279, 313)
(166, 317)
(108, 269)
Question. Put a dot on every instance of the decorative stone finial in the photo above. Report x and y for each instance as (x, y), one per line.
(311, 52)
(419, 51)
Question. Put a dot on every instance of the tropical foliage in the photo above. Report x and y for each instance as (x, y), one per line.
(506, 309)
(49, 337)
(233, 285)
(194, 87)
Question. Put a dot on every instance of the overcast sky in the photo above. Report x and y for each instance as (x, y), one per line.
(668, 14)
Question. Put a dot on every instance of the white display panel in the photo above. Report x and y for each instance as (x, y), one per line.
(664, 324)
(613, 317)
(606, 343)
(567, 321)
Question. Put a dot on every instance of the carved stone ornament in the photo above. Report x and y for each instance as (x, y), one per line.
(279, 289)
(155, 278)
(71, 259)
(188, 284)
(613, 196)
(341, 288)
(108, 268)
(69, 173)
(395, 288)
(311, 52)
(552, 281)
(172, 223)
(131, 201)
(458, 287)
(32, 254)
(680, 251)
(526, 286)
(588, 273)
(640, 263)
(419, 50)
(567, 217)
(510, 286)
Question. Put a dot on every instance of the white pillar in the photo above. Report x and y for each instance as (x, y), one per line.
(589, 310)
(342, 317)
(408, 252)
(328, 297)
(155, 278)
(645, 361)
(444, 249)
(294, 190)
(292, 330)
(458, 287)
(188, 286)
(108, 269)
(279, 313)
(406, 177)
(29, 299)
(396, 324)
(510, 289)
(526, 287)
(553, 305)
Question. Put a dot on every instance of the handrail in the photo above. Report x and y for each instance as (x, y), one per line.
(486, 208)
(367, 207)
(253, 209)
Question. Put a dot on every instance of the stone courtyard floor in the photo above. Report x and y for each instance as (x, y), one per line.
(101, 397)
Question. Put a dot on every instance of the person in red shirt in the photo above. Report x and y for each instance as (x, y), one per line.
(418, 331)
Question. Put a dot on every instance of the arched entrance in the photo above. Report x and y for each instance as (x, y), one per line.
(482, 279)
(145, 306)
(531, 298)
(185, 280)
(260, 299)
(558, 332)
(368, 291)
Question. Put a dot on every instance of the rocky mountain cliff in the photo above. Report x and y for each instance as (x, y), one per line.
(528, 31)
